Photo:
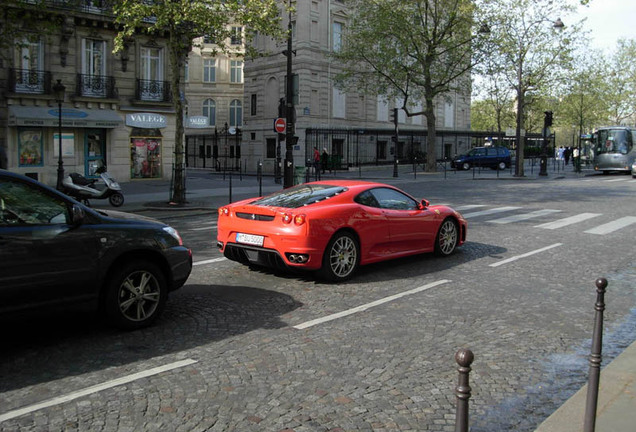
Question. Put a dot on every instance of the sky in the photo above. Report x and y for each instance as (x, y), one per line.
(608, 21)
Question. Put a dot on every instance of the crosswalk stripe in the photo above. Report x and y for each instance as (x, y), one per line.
(525, 216)
(568, 221)
(613, 226)
(489, 212)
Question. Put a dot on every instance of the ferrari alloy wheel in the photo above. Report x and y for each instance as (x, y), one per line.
(341, 257)
(136, 295)
(447, 237)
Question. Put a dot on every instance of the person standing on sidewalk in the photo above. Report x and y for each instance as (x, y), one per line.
(316, 161)
(576, 159)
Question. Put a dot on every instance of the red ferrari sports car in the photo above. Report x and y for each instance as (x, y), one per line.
(334, 226)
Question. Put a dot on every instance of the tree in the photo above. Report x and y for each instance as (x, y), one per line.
(182, 21)
(583, 99)
(417, 50)
(534, 49)
(620, 73)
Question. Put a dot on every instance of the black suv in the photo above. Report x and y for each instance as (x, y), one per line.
(488, 157)
(56, 251)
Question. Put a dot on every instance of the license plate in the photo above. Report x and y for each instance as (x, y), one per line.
(250, 239)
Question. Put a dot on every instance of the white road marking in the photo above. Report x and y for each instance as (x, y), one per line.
(94, 389)
(525, 216)
(203, 228)
(614, 180)
(210, 261)
(491, 211)
(368, 305)
(468, 207)
(568, 221)
(613, 226)
(515, 258)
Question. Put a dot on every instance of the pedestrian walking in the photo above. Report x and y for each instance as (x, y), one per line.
(324, 160)
(316, 162)
(566, 154)
(576, 159)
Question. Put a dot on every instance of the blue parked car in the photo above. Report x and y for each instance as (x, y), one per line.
(490, 157)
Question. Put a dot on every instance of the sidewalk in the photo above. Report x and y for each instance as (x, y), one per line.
(616, 409)
(209, 190)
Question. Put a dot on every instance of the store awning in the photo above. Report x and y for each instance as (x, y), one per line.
(71, 117)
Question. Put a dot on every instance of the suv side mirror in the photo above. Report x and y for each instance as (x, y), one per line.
(77, 215)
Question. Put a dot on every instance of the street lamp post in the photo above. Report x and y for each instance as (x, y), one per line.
(59, 90)
(288, 169)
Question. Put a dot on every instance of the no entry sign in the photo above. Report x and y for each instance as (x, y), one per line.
(280, 125)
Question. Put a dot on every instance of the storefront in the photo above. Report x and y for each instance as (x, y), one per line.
(146, 144)
(35, 141)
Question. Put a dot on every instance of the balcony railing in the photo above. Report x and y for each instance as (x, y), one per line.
(99, 86)
(153, 91)
(29, 81)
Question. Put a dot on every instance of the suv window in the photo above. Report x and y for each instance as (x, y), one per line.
(21, 204)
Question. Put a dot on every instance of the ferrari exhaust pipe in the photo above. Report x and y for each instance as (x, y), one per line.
(292, 258)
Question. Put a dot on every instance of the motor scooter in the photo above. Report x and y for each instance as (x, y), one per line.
(83, 189)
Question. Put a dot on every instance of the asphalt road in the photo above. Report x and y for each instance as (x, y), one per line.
(248, 349)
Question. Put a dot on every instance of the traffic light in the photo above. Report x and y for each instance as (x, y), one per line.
(548, 119)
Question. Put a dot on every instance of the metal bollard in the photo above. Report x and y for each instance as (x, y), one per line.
(595, 358)
(259, 174)
(464, 358)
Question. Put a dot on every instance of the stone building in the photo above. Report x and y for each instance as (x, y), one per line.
(354, 128)
(116, 108)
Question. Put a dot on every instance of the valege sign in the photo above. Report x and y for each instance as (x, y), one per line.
(146, 120)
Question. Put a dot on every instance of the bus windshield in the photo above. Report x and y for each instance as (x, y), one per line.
(613, 141)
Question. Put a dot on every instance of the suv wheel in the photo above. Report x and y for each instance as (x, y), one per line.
(135, 295)
(465, 166)
(501, 165)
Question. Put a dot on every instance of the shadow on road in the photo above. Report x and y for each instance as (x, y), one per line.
(47, 347)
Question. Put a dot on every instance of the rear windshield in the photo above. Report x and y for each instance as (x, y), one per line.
(300, 195)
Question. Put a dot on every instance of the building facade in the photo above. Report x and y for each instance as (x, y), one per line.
(354, 128)
(214, 94)
(115, 109)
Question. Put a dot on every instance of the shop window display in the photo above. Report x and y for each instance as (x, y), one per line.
(145, 155)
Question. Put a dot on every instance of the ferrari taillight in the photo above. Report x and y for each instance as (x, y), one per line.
(297, 219)
(224, 211)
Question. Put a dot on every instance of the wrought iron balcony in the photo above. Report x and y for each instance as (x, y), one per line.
(153, 91)
(98, 86)
(29, 81)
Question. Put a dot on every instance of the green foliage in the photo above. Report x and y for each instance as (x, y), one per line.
(181, 21)
(413, 51)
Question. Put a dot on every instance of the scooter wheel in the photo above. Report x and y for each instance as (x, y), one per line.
(116, 199)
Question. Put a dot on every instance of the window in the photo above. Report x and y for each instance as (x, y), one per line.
(253, 104)
(337, 36)
(22, 204)
(339, 101)
(237, 36)
(209, 111)
(152, 73)
(449, 114)
(236, 113)
(93, 67)
(236, 71)
(383, 109)
(186, 72)
(29, 60)
(394, 200)
(209, 70)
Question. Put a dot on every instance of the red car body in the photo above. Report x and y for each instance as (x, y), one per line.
(354, 222)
